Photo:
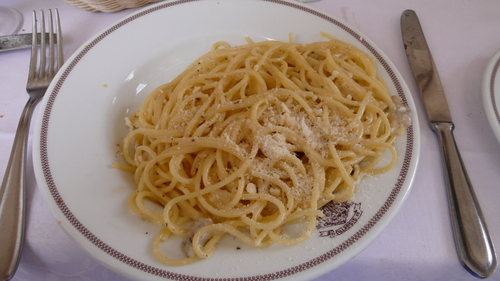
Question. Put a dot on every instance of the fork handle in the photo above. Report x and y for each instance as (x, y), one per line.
(12, 197)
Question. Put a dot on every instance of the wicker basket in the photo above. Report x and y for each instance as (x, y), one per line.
(108, 6)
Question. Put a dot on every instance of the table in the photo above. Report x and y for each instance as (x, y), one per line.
(417, 244)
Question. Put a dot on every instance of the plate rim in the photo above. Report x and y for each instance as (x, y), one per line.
(490, 103)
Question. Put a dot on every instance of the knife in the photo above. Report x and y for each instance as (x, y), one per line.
(18, 41)
(472, 239)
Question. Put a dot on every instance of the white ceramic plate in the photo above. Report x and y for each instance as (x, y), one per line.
(491, 93)
(81, 123)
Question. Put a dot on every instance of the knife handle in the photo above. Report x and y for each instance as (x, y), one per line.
(472, 240)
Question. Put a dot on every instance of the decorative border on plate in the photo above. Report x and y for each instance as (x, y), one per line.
(492, 89)
(45, 161)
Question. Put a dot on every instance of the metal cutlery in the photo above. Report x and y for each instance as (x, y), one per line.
(12, 190)
(20, 41)
(472, 240)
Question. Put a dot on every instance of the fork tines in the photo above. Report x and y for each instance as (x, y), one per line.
(46, 69)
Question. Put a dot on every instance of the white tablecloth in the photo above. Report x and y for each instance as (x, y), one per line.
(418, 244)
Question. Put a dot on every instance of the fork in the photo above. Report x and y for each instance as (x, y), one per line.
(12, 190)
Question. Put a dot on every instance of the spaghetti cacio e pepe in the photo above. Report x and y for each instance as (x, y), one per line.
(251, 138)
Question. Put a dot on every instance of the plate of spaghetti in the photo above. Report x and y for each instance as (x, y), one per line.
(232, 150)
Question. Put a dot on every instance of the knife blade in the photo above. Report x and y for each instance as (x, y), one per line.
(472, 240)
(18, 41)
